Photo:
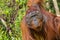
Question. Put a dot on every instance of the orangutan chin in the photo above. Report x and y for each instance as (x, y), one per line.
(39, 24)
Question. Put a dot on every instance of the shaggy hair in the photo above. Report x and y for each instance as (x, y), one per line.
(39, 24)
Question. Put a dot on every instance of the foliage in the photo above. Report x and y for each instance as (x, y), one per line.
(12, 12)
(10, 9)
(50, 6)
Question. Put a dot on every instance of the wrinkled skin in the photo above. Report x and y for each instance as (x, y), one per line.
(39, 24)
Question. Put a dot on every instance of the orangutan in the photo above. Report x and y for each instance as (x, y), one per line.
(39, 24)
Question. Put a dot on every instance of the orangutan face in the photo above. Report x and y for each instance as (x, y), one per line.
(34, 19)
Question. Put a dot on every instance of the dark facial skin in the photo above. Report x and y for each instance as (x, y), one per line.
(34, 19)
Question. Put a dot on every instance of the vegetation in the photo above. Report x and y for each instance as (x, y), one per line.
(11, 14)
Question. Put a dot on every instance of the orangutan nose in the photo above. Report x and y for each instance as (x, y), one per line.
(35, 22)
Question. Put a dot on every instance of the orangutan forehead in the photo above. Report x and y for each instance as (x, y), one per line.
(33, 8)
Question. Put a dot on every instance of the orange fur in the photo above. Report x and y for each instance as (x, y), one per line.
(50, 27)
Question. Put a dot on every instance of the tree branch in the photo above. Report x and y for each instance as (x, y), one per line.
(3, 21)
(56, 7)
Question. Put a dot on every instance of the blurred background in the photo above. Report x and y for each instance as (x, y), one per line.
(12, 12)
